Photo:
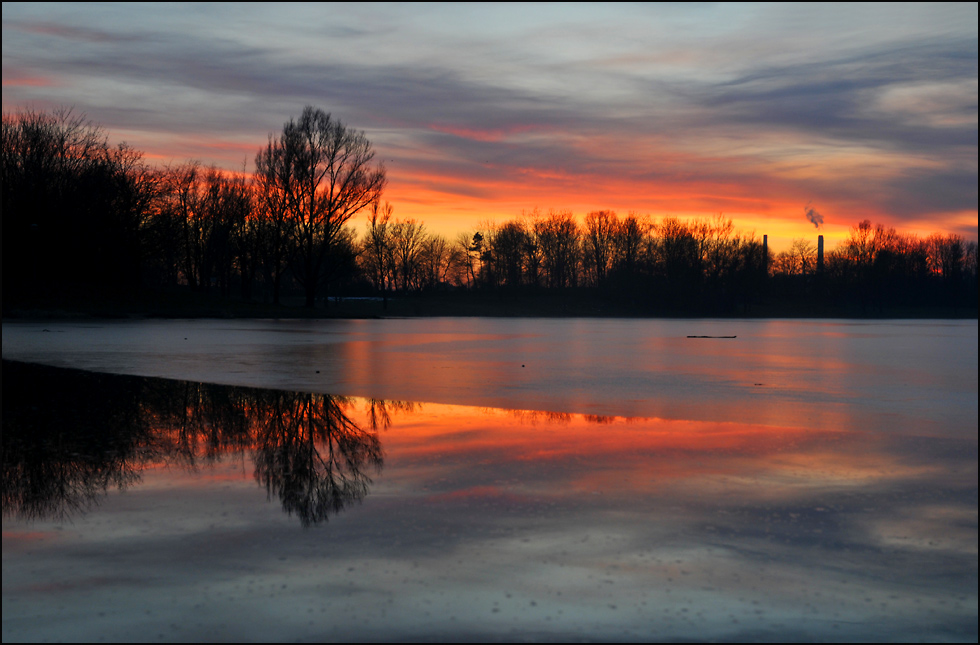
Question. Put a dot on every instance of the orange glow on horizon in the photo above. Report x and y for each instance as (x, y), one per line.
(453, 198)
(783, 221)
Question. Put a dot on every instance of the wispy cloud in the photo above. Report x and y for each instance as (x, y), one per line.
(713, 107)
(70, 32)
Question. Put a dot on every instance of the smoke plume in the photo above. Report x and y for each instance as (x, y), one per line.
(814, 217)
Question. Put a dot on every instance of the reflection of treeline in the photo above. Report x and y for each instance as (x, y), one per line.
(534, 417)
(84, 213)
(67, 439)
(69, 436)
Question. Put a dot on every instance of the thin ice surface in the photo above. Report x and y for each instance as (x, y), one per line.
(836, 501)
(916, 376)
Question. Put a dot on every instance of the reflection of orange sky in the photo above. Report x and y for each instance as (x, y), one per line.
(458, 454)
(575, 452)
(435, 428)
(616, 449)
(439, 434)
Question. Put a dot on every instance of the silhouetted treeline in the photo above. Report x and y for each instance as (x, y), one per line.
(706, 266)
(666, 265)
(69, 436)
(82, 214)
(877, 267)
(75, 208)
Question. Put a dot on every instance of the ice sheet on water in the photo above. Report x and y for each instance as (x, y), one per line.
(874, 375)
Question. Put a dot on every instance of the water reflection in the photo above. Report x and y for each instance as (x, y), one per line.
(310, 454)
(66, 440)
(70, 436)
(488, 523)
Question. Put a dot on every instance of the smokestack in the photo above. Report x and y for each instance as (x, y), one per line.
(820, 254)
(765, 246)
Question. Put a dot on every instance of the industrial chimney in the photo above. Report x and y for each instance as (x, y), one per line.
(820, 254)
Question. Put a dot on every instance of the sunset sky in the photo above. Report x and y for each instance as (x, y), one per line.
(480, 112)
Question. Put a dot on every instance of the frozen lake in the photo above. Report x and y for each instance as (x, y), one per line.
(912, 376)
(492, 479)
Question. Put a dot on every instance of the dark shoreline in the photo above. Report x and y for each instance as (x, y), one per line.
(463, 304)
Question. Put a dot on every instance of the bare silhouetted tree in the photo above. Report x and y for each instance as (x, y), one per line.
(319, 174)
(377, 258)
(407, 239)
(599, 244)
(557, 238)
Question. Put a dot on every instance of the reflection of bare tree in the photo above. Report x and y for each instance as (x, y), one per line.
(379, 411)
(197, 423)
(69, 436)
(599, 419)
(533, 417)
(312, 455)
(67, 442)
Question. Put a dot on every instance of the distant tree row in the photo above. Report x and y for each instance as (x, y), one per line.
(677, 263)
(878, 266)
(85, 214)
